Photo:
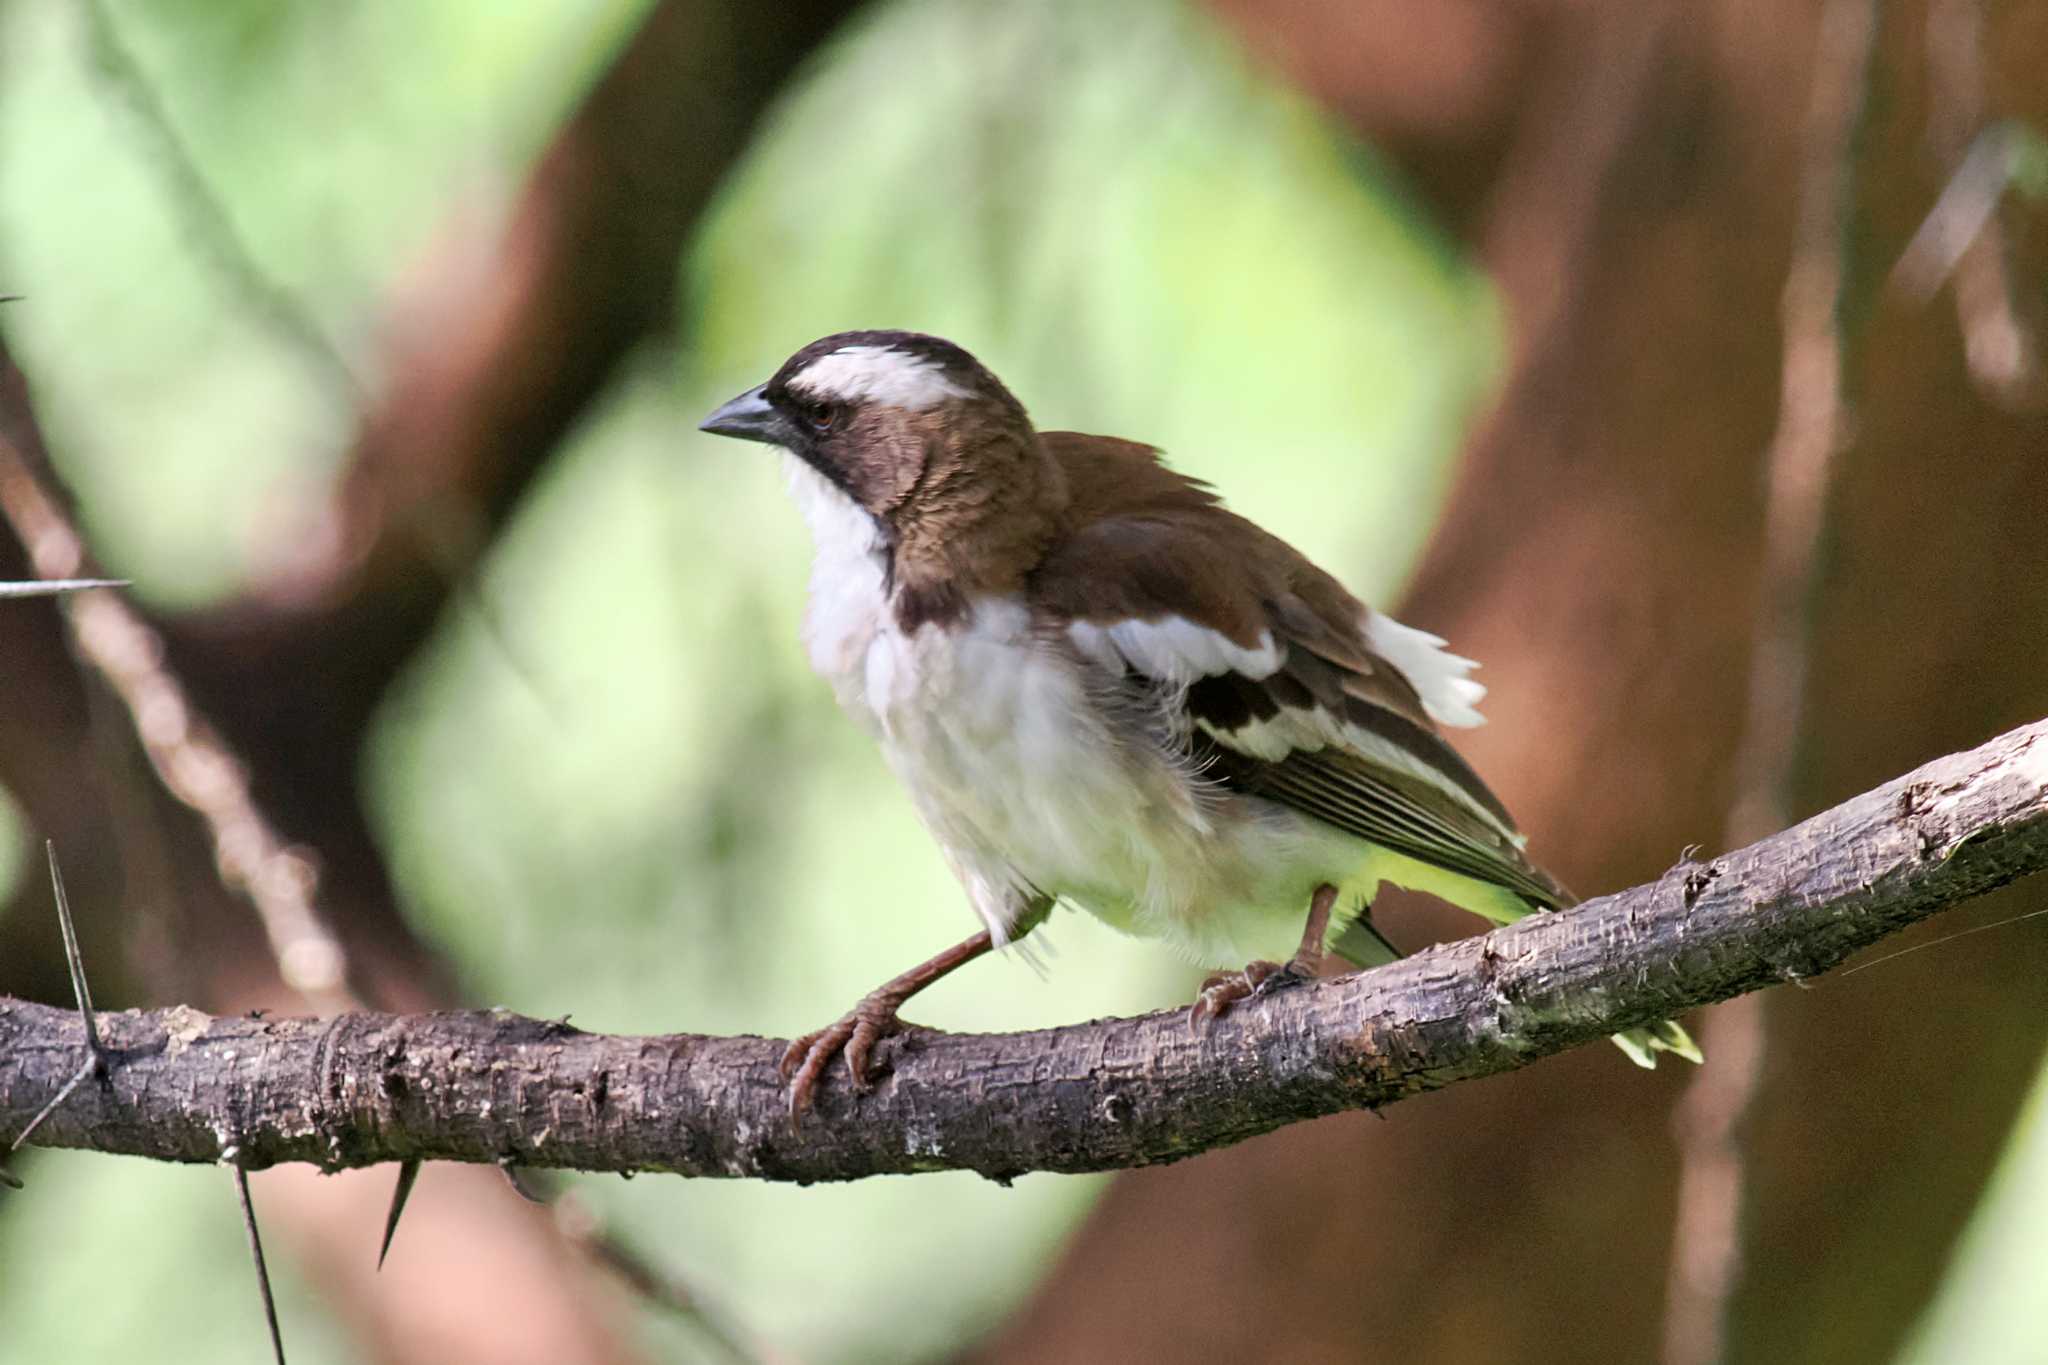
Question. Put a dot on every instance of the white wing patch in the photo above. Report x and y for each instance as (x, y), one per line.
(876, 374)
(1173, 649)
(1437, 675)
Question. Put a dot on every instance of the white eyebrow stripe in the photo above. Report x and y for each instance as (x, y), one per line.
(876, 374)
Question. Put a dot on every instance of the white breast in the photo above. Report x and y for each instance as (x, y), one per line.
(1036, 782)
(1022, 780)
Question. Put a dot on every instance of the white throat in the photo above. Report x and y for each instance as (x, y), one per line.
(847, 598)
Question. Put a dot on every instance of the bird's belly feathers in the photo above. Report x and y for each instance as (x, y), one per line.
(1034, 788)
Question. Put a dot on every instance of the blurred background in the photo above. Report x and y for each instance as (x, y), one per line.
(370, 340)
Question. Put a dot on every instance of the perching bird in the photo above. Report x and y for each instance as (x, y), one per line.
(1102, 688)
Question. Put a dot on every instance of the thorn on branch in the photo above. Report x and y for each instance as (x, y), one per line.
(98, 1063)
(233, 1156)
(75, 960)
(50, 587)
(408, 1172)
(514, 1177)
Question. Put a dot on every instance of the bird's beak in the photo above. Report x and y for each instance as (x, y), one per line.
(751, 417)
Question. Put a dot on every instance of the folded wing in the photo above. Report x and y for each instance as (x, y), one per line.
(1268, 671)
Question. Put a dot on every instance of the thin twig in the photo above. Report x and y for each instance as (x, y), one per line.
(194, 764)
(256, 1253)
(1706, 1256)
(480, 1086)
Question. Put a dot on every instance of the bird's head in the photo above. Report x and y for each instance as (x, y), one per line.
(914, 431)
(899, 422)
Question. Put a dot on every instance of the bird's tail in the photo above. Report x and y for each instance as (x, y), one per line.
(1363, 945)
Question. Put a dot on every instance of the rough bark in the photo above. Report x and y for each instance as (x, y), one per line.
(490, 1086)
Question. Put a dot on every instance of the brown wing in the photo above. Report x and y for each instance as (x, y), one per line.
(1265, 662)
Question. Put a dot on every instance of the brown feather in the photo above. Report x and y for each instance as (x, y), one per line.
(1145, 543)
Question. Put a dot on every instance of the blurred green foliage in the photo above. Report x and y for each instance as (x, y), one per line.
(337, 139)
(130, 1261)
(1990, 1308)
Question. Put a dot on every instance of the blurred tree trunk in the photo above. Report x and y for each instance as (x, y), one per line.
(1629, 173)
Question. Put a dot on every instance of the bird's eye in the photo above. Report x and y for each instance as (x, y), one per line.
(822, 418)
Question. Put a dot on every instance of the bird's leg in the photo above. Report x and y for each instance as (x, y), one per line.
(1225, 989)
(867, 1023)
(1308, 958)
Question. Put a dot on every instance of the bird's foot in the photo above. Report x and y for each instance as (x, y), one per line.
(855, 1034)
(1225, 989)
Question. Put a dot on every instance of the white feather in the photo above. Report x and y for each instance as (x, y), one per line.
(1097, 647)
(1438, 675)
(846, 582)
(1176, 651)
(1173, 649)
(876, 374)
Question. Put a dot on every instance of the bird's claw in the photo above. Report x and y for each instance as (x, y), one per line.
(1225, 989)
(1293, 972)
(855, 1034)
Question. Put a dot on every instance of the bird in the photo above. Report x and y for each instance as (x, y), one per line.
(1102, 689)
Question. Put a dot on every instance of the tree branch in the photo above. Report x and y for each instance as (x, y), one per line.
(492, 1086)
